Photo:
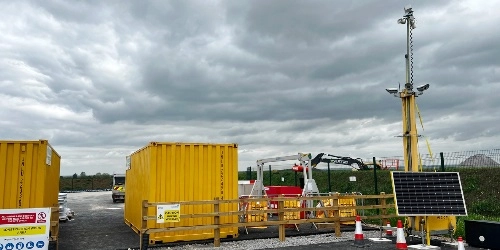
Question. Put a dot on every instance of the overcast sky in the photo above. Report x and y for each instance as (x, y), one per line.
(101, 79)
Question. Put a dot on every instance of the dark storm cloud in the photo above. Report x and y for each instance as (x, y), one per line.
(186, 79)
(102, 79)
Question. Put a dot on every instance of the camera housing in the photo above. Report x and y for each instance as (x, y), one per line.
(392, 90)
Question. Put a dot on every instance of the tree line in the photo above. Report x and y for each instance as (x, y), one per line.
(84, 175)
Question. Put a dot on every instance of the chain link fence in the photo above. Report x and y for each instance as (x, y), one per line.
(446, 161)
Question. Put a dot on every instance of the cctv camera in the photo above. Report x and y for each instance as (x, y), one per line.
(392, 90)
(423, 87)
(401, 21)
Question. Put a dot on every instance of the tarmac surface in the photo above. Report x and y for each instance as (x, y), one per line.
(349, 245)
(99, 224)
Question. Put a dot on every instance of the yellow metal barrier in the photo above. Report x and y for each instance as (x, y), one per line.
(249, 206)
(292, 215)
(348, 212)
(257, 205)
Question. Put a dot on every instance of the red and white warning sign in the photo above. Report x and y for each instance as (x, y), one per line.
(17, 218)
(41, 217)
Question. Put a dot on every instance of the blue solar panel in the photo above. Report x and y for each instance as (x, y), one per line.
(428, 193)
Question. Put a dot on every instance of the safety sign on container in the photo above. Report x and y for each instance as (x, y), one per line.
(168, 213)
(24, 228)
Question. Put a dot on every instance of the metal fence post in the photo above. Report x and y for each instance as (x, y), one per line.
(375, 175)
(329, 183)
(270, 176)
(249, 173)
(376, 181)
(442, 161)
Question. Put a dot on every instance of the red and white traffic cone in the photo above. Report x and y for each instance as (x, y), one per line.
(460, 244)
(358, 233)
(388, 232)
(400, 237)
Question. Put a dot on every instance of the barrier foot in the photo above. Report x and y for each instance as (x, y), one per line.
(144, 241)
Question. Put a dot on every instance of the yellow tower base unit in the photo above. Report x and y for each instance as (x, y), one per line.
(435, 225)
(29, 178)
(172, 172)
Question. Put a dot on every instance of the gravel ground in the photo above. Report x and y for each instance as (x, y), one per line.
(99, 224)
(299, 241)
(317, 242)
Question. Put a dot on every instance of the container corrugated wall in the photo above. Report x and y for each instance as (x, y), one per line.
(169, 172)
(29, 177)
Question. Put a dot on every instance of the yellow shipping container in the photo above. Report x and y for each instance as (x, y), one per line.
(29, 178)
(171, 172)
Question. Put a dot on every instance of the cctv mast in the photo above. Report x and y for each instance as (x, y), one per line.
(407, 95)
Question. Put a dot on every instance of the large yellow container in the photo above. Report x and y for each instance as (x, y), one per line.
(170, 172)
(29, 178)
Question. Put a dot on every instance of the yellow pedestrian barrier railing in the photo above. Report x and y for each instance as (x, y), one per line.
(253, 213)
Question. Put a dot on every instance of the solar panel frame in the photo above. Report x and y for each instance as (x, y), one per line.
(428, 193)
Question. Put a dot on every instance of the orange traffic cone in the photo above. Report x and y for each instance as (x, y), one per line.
(460, 244)
(358, 233)
(388, 232)
(400, 237)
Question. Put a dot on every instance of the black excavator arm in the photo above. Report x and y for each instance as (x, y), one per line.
(342, 160)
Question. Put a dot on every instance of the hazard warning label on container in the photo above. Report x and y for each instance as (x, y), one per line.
(168, 213)
(24, 228)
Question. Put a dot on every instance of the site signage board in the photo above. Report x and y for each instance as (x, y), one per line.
(26, 228)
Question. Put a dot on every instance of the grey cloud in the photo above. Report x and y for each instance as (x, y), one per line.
(104, 78)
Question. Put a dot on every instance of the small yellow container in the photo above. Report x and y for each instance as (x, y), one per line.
(29, 178)
(171, 172)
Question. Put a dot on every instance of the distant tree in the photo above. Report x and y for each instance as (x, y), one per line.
(82, 174)
(102, 175)
(75, 176)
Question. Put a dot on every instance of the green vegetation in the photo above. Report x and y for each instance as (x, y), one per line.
(84, 182)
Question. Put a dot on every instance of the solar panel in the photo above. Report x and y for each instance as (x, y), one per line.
(428, 193)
